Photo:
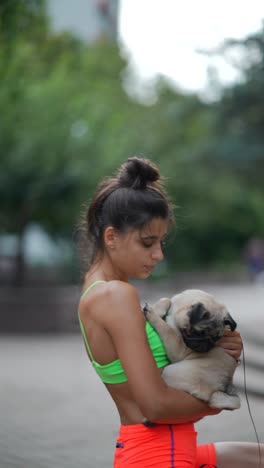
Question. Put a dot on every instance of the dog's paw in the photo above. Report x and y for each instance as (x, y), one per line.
(146, 309)
(222, 400)
(161, 308)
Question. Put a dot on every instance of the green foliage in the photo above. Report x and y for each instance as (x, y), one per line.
(63, 126)
(239, 117)
(22, 18)
(66, 122)
(214, 158)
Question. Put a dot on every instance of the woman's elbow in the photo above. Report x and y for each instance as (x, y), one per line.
(152, 409)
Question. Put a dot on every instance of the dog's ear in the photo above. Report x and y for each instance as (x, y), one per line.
(197, 313)
(228, 320)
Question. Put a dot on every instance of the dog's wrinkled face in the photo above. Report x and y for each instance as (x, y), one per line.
(200, 319)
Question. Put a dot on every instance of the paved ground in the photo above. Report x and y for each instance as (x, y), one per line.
(55, 413)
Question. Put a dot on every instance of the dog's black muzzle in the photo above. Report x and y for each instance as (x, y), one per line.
(230, 322)
(199, 343)
(201, 340)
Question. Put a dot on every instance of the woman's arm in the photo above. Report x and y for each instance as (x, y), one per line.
(123, 320)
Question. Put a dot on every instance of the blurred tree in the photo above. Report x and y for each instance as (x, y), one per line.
(233, 157)
(64, 122)
(240, 113)
(22, 18)
(226, 192)
(213, 175)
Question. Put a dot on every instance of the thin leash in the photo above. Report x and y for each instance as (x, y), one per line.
(248, 405)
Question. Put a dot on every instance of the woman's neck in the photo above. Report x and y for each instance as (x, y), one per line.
(103, 268)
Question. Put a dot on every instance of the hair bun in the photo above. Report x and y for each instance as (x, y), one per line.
(137, 173)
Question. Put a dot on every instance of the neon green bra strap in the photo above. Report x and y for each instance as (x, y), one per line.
(81, 324)
(90, 287)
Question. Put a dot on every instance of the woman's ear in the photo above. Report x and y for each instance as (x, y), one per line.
(110, 237)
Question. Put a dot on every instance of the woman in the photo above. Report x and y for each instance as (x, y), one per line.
(127, 223)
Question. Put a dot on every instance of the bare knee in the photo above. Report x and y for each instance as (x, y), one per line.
(239, 455)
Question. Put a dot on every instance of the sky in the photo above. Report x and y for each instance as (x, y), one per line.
(162, 36)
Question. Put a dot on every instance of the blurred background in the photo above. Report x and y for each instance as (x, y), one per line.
(84, 85)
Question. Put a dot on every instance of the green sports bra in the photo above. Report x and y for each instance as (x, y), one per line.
(113, 372)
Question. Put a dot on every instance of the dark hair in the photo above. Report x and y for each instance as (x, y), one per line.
(129, 200)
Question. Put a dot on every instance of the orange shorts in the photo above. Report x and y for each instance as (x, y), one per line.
(164, 445)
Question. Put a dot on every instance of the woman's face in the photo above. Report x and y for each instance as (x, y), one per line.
(138, 251)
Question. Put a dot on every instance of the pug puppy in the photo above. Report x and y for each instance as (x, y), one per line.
(189, 324)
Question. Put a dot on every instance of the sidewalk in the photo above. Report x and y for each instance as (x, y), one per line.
(55, 413)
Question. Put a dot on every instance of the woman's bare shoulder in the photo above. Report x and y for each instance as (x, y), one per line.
(118, 297)
(115, 288)
(112, 296)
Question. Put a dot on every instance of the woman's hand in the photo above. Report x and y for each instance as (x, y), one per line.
(211, 411)
(231, 342)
